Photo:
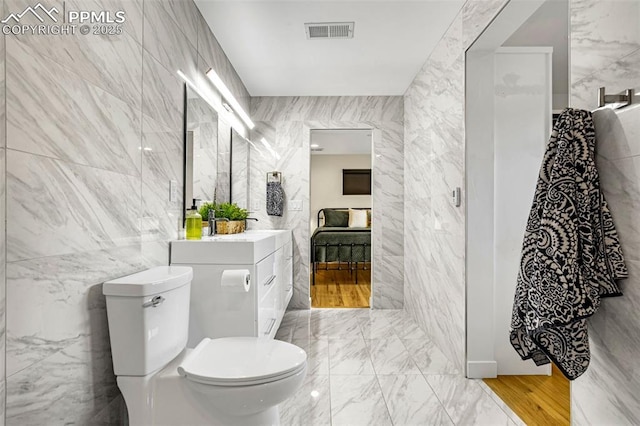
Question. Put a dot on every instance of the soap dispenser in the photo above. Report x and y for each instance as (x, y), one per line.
(194, 222)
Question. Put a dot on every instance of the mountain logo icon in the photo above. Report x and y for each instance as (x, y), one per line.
(38, 11)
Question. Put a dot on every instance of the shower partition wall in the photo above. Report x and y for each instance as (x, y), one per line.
(509, 116)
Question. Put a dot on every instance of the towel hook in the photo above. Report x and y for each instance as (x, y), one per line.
(616, 101)
(274, 176)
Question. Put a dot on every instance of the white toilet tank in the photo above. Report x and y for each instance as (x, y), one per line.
(148, 316)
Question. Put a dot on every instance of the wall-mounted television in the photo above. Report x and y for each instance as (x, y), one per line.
(356, 181)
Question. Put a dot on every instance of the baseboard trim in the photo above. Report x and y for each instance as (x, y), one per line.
(482, 369)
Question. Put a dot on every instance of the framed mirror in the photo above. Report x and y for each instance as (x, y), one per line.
(216, 157)
(200, 148)
(240, 161)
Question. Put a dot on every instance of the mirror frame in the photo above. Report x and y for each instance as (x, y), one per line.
(184, 154)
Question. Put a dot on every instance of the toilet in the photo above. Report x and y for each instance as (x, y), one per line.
(226, 381)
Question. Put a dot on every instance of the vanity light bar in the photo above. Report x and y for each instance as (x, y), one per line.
(220, 107)
(226, 94)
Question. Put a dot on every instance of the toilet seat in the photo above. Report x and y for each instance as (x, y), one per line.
(242, 361)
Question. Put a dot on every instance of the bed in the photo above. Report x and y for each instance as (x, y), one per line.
(334, 241)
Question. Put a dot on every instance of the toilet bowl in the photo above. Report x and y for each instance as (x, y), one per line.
(227, 381)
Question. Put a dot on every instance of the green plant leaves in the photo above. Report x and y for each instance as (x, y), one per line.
(204, 210)
(223, 210)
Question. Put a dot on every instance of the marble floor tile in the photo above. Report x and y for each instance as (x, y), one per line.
(285, 333)
(317, 356)
(328, 323)
(428, 358)
(411, 401)
(466, 402)
(389, 356)
(357, 400)
(287, 326)
(406, 328)
(375, 327)
(349, 357)
(377, 367)
(310, 405)
(515, 420)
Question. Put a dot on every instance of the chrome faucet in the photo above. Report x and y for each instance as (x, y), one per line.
(212, 222)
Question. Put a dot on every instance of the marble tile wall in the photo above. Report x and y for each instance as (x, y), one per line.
(203, 122)
(286, 123)
(605, 51)
(434, 138)
(93, 137)
(3, 246)
(223, 181)
(240, 170)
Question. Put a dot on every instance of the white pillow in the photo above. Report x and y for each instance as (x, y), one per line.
(357, 218)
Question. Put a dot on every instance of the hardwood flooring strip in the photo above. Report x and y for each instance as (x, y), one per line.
(538, 400)
(337, 288)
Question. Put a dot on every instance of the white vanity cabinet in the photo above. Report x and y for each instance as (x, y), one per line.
(217, 311)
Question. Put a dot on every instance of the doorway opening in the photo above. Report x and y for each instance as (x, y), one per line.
(516, 79)
(340, 218)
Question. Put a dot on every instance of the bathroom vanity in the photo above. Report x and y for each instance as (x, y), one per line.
(231, 310)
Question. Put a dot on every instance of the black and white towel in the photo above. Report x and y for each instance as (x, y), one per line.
(275, 199)
(571, 255)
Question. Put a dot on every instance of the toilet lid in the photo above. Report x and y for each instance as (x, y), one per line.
(236, 361)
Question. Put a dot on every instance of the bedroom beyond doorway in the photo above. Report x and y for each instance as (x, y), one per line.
(340, 222)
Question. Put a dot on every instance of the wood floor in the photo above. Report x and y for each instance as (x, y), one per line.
(337, 288)
(538, 400)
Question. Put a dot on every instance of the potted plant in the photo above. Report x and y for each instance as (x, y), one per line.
(236, 217)
(204, 212)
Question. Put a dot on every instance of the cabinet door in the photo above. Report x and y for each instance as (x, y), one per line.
(216, 311)
(280, 281)
(266, 276)
(287, 275)
(268, 315)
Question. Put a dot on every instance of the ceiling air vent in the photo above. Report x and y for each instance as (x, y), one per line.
(329, 30)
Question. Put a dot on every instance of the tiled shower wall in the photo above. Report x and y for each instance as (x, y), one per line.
(3, 247)
(286, 123)
(434, 290)
(93, 137)
(605, 51)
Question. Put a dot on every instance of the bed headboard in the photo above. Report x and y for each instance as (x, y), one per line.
(321, 211)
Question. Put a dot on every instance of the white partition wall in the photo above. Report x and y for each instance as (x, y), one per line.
(479, 193)
(523, 119)
(509, 114)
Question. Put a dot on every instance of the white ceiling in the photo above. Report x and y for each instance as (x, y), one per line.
(342, 141)
(266, 43)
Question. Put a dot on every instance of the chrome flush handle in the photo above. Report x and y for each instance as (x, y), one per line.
(157, 300)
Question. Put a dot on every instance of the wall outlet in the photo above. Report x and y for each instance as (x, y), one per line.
(255, 206)
(456, 197)
(295, 205)
(173, 191)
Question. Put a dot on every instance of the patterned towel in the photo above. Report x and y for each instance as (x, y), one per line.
(275, 199)
(571, 255)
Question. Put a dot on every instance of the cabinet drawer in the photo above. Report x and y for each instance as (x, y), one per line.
(287, 276)
(268, 315)
(265, 275)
